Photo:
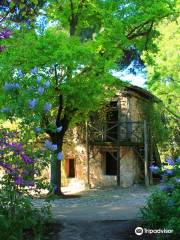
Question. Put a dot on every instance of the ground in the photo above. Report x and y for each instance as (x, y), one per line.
(100, 214)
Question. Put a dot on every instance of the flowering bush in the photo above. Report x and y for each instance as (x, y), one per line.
(19, 219)
(163, 207)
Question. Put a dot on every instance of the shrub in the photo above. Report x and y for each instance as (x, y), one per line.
(163, 207)
(19, 219)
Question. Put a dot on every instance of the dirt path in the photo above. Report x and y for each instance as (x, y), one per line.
(104, 214)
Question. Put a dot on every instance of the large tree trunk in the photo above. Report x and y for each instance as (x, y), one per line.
(56, 165)
(57, 138)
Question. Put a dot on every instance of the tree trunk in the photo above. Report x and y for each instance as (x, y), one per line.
(56, 166)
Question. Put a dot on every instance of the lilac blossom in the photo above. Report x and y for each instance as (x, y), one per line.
(6, 33)
(53, 147)
(38, 79)
(59, 129)
(34, 70)
(38, 130)
(26, 159)
(47, 107)
(7, 167)
(178, 160)
(166, 188)
(50, 146)
(5, 110)
(170, 161)
(169, 171)
(60, 156)
(41, 90)
(154, 169)
(11, 86)
(32, 103)
(177, 180)
(20, 73)
(46, 84)
(19, 180)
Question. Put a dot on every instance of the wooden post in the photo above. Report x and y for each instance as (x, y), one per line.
(146, 177)
(87, 152)
(150, 154)
(118, 145)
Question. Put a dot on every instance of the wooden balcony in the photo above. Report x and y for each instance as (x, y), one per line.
(116, 133)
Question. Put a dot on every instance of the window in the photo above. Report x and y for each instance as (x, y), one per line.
(112, 119)
(111, 163)
(70, 168)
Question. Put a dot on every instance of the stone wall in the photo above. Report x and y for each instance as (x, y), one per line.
(130, 164)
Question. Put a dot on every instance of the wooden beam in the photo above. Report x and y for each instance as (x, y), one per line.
(146, 177)
(150, 153)
(118, 144)
(88, 159)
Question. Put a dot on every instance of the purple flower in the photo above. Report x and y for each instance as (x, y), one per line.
(32, 103)
(38, 130)
(34, 70)
(38, 79)
(154, 169)
(6, 33)
(170, 161)
(178, 160)
(60, 156)
(53, 147)
(166, 188)
(177, 180)
(7, 167)
(46, 84)
(169, 171)
(26, 159)
(20, 73)
(50, 146)
(41, 90)
(47, 107)
(11, 86)
(5, 110)
(19, 180)
(47, 144)
(59, 129)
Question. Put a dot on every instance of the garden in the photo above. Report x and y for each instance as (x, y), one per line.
(60, 62)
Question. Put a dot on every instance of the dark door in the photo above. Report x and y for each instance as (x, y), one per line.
(71, 168)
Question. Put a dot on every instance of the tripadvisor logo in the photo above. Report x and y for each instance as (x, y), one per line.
(139, 231)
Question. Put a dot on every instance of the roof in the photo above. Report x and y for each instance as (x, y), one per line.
(142, 92)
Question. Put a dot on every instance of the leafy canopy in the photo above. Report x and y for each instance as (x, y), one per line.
(76, 56)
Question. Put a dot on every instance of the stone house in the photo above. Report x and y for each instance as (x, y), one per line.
(115, 147)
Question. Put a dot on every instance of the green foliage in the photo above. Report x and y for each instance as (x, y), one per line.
(163, 66)
(77, 56)
(163, 206)
(19, 219)
(163, 212)
(164, 81)
(84, 62)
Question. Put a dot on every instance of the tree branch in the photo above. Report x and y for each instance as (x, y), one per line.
(135, 29)
(60, 108)
(148, 33)
(73, 19)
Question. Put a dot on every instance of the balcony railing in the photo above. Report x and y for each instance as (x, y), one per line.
(132, 132)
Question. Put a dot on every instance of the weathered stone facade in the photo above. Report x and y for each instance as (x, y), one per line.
(95, 172)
